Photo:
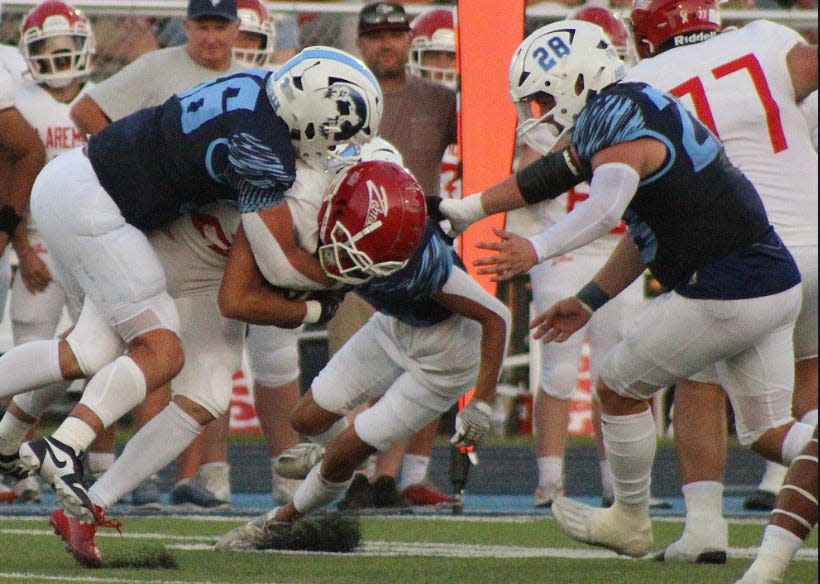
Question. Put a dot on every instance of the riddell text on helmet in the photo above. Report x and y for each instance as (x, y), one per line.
(695, 37)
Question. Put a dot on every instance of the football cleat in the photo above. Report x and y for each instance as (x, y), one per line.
(359, 494)
(547, 493)
(284, 489)
(216, 479)
(79, 537)
(193, 495)
(28, 490)
(296, 461)
(701, 543)
(60, 466)
(11, 467)
(621, 530)
(7, 495)
(251, 536)
(147, 494)
(426, 494)
(760, 500)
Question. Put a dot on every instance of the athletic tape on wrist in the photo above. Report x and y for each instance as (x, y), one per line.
(313, 311)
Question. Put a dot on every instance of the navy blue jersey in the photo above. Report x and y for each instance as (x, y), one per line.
(220, 141)
(407, 294)
(697, 209)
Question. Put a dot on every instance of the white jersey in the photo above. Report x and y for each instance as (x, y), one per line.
(12, 61)
(51, 119)
(809, 108)
(738, 85)
(8, 89)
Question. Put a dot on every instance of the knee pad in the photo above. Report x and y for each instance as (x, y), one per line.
(93, 341)
(207, 379)
(273, 355)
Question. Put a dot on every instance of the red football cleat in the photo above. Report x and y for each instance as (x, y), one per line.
(79, 537)
(8, 496)
(426, 494)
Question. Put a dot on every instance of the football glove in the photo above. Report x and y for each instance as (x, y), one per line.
(328, 301)
(472, 424)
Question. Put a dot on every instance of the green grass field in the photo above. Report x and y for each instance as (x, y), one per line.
(416, 550)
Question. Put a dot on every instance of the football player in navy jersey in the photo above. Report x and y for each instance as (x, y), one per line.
(733, 289)
(436, 334)
(234, 139)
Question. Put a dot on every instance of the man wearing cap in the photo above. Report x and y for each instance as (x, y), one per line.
(211, 27)
(420, 120)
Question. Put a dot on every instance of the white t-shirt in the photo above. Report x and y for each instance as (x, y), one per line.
(738, 84)
(150, 80)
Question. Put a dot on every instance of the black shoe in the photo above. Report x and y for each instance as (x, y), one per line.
(11, 467)
(760, 500)
(192, 494)
(385, 493)
(359, 494)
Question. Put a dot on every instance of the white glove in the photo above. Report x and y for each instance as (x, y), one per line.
(462, 213)
(472, 424)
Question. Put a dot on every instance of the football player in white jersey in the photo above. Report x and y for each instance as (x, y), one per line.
(58, 57)
(746, 85)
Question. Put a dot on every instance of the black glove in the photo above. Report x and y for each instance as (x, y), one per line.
(329, 300)
(432, 208)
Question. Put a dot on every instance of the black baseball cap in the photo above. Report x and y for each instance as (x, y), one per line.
(225, 9)
(379, 16)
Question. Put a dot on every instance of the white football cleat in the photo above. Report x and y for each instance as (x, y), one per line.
(621, 530)
(700, 544)
(547, 493)
(296, 461)
(250, 536)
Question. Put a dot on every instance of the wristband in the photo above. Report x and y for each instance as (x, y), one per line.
(313, 311)
(592, 297)
(9, 219)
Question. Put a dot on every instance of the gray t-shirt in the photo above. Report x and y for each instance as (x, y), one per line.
(420, 120)
(150, 80)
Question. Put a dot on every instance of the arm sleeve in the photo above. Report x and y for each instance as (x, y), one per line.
(612, 187)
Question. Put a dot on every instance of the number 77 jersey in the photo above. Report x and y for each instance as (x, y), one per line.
(739, 86)
(219, 141)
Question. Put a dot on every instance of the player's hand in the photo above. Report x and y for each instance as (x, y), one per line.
(560, 321)
(329, 301)
(516, 255)
(455, 217)
(472, 424)
(34, 272)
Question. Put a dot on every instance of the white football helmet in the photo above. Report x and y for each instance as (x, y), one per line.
(326, 97)
(57, 42)
(255, 19)
(554, 72)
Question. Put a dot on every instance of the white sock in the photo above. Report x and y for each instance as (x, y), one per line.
(810, 417)
(703, 497)
(75, 433)
(328, 435)
(630, 443)
(607, 489)
(29, 366)
(158, 442)
(316, 492)
(776, 552)
(35, 402)
(115, 390)
(413, 470)
(773, 477)
(550, 470)
(12, 433)
(99, 462)
(796, 439)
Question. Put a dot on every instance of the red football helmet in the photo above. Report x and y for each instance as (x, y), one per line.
(371, 221)
(611, 22)
(255, 19)
(57, 42)
(433, 31)
(658, 25)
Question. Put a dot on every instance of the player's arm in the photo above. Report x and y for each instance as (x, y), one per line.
(88, 116)
(463, 295)
(279, 222)
(802, 63)
(245, 295)
(21, 146)
(545, 178)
